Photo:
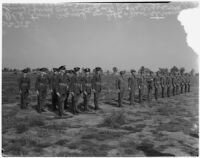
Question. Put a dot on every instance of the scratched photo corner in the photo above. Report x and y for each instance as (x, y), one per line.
(95, 79)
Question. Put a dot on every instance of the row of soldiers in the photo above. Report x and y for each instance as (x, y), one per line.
(174, 83)
(71, 85)
(64, 85)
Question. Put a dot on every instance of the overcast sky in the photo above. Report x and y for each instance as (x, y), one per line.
(96, 41)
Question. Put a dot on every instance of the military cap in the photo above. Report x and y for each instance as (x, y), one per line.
(132, 70)
(97, 69)
(87, 70)
(62, 67)
(55, 69)
(122, 72)
(76, 69)
(43, 69)
(25, 70)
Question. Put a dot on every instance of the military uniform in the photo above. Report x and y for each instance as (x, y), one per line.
(41, 86)
(185, 83)
(121, 86)
(96, 86)
(132, 81)
(177, 84)
(156, 85)
(168, 84)
(62, 89)
(87, 89)
(162, 84)
(174, 85)
(188, 83)
(149, 81)
(140, 81)
(76, 89)
(53, 85)
(24, 87)
(182, 83)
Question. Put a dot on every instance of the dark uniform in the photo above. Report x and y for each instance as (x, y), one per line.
(149, 80)
(41, 86)
(87, 88)
(162, 84)
(168, 84)
(177, 84)
(174, 85)
(62, 89)
(140, 81)
(188, 83)
(156, 85)
(185, 83)
(182, 83)
(53, 85)
(132, 81)
(121, 86)
(24, 87)
(76, 90)
(96, 86)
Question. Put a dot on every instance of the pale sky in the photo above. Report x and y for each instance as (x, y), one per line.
(97, 41)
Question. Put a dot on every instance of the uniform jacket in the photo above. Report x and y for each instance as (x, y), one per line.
(140, 81)
(156, 81)
(24, 83)
(120, 83)
(96, 82)
(162, 81)
(63, 84)
(168, 81)
(150, 81)
(41, 83)
(76, 84)
(87, 84)
(132, 82)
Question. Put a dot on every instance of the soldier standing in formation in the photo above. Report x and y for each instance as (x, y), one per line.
(62, 89)
(168, 83)
(149, 85)
(96, 86)
(76, 89)
(41, 86)
(188, 82)
(87, 88)
(162, 84)
(132, 86)
(121, 86)
(140, 81)
(156, 84)
(177, 83)
(53, 84)
(24, 88)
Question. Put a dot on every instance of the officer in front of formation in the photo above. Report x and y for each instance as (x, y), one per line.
(121, 86)
(24, 88)
(96, 86)
(86, 88)
(41, 86)
(76, 89)
(132, 83)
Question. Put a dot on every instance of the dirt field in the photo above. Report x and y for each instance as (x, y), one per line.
(167, 127)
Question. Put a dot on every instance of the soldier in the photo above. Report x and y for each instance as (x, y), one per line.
(69, 74)
(41, 86)
(140, 81)
(76, 89)
(149, 80)
(87, 88)
(120, 86)
(156, 82)
(62, 89)
(24, 88)
(188, 82)
(96, 86)
(132, 81)
(174, 84)
(53, 84)
(177, 83)
(185, 82)
(168, 83)
(162, 83)
(182, 82)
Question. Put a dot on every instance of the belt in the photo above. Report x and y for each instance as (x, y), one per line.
(63, 84)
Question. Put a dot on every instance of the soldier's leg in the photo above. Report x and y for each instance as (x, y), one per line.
(22, 100)
(66, 100)
(61, 105)
(96, 100)
(73, 105)
(26, 101)
(85, 102)
(156, 93)
(77, 97)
